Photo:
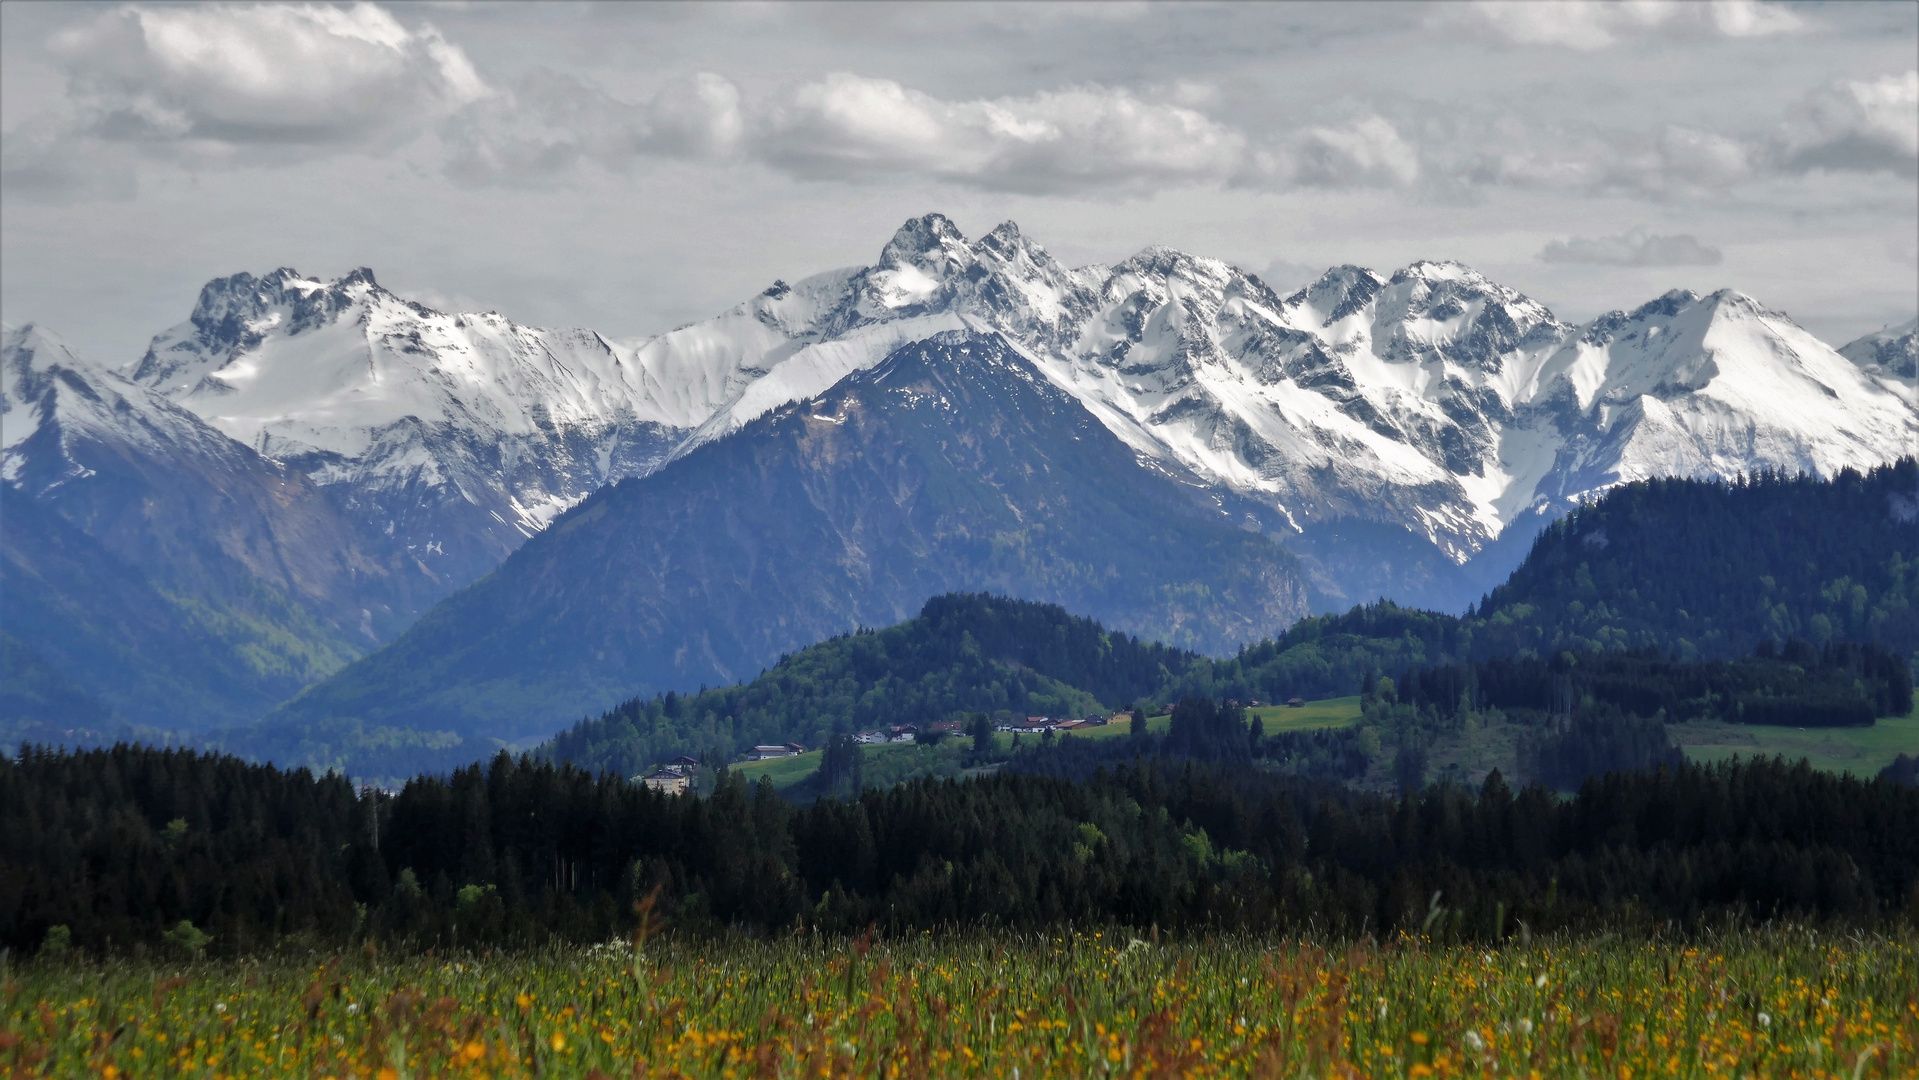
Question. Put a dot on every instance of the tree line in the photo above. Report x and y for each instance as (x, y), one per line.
(123, 846)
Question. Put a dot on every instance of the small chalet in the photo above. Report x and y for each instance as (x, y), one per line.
(768, 753)
(1295, 703)
(868, 738)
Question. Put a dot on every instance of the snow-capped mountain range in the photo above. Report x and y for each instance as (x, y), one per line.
(1432, 399)
(294, 475)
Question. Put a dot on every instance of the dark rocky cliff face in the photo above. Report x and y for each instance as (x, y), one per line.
(952, 466)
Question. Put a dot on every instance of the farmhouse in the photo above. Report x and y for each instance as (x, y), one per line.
(767, 753)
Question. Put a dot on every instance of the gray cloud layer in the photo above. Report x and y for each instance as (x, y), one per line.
(634, 166)
(1633, 248)
(224, 85)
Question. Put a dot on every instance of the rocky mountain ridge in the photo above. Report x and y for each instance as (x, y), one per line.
(1432, 401)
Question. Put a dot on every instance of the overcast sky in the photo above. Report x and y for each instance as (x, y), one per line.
(633, 167)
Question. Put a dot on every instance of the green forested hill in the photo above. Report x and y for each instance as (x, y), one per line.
(1712, 569)
(962, 653)
(1695, 568)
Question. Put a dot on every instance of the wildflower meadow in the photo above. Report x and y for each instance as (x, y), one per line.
(1755, 1003)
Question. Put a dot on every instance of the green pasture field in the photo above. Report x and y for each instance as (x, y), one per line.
(1782, 1002)
(886, 764)
(1327, 713)
(785, 771)
(1859, 751)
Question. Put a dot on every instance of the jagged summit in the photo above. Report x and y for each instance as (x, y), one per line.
(932, 244)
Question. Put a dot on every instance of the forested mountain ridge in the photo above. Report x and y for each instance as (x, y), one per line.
(1712, 568)
(963, 653)
(954, 466)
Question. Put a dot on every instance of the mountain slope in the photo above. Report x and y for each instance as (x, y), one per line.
(175, 574)
(38, 704)
(953, 466)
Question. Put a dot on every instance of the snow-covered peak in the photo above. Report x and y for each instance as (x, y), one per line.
(1892, 352)
(38, 369)
(931, 244)
(1338, 294)
(1717, 385)
(1683, 343)
(1429, 326)
(51, 396)
(287, 363)
(235, 314)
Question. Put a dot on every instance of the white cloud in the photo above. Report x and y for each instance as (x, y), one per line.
(1589, 25)
(1369, 152)
(1856, 125)
(267, 80)
(848, 126)
(1636, 247)
(1674, 161)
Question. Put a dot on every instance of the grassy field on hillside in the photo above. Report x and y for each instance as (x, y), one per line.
(784, 771)
(1778, 1003)
(1860, 751)
(886, 764)
(1328, 713)
(890, 762)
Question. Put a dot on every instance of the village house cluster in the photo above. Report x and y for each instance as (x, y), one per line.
(1034, 725)
(682, 773)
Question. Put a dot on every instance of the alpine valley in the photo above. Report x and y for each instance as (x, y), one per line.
(258, 517)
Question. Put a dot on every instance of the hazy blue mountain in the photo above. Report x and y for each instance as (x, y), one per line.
(173, 573)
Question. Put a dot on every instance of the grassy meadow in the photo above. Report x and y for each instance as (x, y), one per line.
(1780, 1002)
(1860, 751)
